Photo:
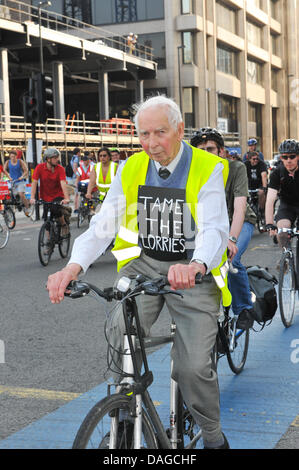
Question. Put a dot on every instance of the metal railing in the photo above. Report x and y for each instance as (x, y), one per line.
(22, 12)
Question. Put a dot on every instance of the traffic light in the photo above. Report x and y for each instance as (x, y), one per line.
(44, 96)
(30, 107)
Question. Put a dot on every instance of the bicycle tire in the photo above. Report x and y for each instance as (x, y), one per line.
(10, 218)
(4, 233)
(64, 243)
(81, 217)
(45, 243)
(237, 358)
(286, 289)
(94, 431)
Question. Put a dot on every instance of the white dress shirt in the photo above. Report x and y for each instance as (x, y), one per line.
(213, 225)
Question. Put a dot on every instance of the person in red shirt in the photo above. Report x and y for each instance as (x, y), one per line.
(53, 186)
(1, 172)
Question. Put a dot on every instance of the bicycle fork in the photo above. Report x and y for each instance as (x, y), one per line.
(128, 370)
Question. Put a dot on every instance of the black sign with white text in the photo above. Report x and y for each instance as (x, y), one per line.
(160, 221)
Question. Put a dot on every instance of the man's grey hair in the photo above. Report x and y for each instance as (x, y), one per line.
(172, 110)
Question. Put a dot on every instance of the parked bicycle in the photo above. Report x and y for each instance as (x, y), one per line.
(128, 419)
(4, 231)
(51, 234)
(288, 282)
(12, 203)
(254, 204)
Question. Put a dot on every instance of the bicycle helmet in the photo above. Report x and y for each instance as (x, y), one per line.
(51, 152)
(252, 142)
(233, 153)
(289, 146)
(207, 133)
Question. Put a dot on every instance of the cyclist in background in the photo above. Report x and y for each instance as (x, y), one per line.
(102, 174)
(53, 186)
(285, 180)
(252, 143)
(115, 155)
(242, 220)
(16, 170)
(257, 178)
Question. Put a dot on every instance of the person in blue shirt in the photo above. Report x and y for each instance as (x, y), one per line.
(252, 143)
(16, 170)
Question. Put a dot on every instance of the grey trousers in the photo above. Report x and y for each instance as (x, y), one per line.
(196, 327)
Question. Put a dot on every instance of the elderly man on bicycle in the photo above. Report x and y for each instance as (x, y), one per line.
(169, 204)
(284, 181)
(53, 186)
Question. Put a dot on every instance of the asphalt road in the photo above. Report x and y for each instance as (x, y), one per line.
(53, 353)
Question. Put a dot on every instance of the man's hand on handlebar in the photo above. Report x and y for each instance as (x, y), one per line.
(182, 276)
(58, 282)
(272, 229)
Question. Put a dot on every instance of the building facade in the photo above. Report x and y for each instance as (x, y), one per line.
(230, 64)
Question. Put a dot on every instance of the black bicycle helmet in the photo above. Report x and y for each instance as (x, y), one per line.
(207, 133)
(289, 146)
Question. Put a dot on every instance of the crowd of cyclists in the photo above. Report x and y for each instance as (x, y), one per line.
(198, 168)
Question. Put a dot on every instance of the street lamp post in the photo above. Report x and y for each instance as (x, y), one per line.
(40, 5)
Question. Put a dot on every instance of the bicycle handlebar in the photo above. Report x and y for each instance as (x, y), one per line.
(143, 285)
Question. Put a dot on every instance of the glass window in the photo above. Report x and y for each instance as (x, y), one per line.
(255, 119)
(254, 34)
(274, 9)
(157, 42)
(274, 44)
(226, 17)
(254, 72)
(228, 109)
(126, 11)
(188, 107)
(187, 40)
(79, 10)
(227, 61)
(274, 79)
(186, 7)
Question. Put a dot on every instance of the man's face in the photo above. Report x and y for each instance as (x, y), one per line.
(104, 156)
(289, 163)
(158, 138)
(254, 160)
(53, 161)
(12, 156)
(210, 146)
(115, 156)
(251, 148)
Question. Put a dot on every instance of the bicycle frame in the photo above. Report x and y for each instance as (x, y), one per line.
(137, 384)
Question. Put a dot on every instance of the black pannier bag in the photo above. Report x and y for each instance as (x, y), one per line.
(262, 285)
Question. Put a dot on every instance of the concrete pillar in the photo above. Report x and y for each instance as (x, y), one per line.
(58, 89)
(103, 95)
(139, 93)
(4, 88)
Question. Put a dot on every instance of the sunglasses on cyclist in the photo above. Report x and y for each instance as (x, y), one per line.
(286, 157)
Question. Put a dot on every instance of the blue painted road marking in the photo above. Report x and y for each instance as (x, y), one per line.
(257, 407)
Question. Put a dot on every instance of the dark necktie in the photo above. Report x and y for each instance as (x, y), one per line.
(163, 173)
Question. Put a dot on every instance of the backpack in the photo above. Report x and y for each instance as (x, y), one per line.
(262, 285)
(69, 168)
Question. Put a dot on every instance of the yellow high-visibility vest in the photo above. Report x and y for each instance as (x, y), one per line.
(103, 186)
(134, 173)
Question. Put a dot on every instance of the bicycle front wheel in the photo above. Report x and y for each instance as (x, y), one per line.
(4, 232)
(286, 289)
(45, 243)
(237, 352)
(110, 421)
